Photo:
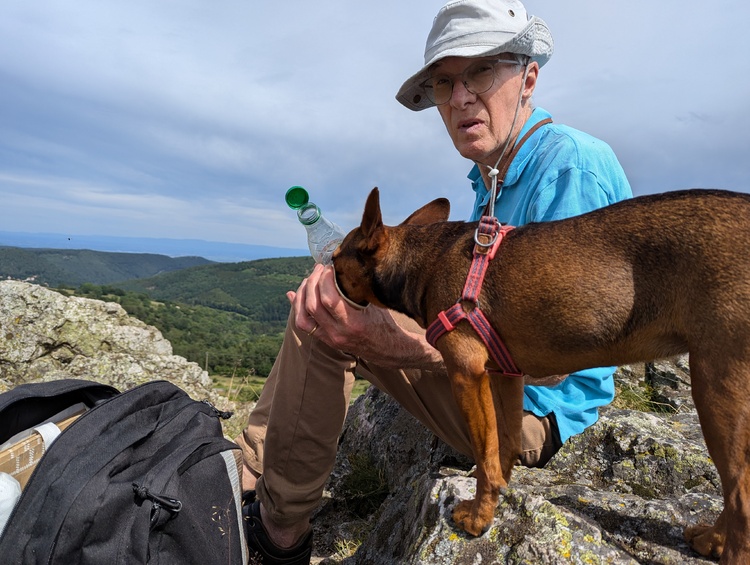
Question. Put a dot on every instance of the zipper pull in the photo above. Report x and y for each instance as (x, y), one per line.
(159, 500)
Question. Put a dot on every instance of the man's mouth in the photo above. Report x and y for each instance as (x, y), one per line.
(466, 125)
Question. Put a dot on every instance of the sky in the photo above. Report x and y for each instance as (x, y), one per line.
(189, 119)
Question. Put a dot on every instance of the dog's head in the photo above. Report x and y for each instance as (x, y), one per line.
(365, 248)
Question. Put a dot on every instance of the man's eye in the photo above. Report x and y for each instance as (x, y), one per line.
(480, 70)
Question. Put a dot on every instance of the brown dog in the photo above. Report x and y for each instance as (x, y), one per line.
(642, 279)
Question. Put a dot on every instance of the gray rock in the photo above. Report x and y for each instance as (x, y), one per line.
(621, 492)
(45, 335)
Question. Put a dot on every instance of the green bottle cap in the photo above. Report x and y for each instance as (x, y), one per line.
(296, 197)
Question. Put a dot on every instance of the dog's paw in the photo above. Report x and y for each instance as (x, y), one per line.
(706, 540)
(466, 517)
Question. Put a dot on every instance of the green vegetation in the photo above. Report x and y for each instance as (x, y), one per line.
(255, 289)
(72, 267)
(641, 398)
(239, 389)
(225, 343)
(365, 487)
(227, 317)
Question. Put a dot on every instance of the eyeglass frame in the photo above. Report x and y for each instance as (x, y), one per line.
(519, 60)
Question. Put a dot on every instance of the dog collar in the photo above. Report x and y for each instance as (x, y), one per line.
(348, 300)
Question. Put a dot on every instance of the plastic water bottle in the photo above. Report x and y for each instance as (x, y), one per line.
(323, 236)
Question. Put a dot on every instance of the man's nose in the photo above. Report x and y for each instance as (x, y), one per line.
(461, 94)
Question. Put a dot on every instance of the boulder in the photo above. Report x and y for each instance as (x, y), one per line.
(621, 492)
(46, 335)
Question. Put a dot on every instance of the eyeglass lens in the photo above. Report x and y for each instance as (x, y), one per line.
(477, 78)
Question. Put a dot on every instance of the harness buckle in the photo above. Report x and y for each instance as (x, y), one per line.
(484, 241)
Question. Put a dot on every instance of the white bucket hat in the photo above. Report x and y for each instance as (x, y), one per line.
(478, 28)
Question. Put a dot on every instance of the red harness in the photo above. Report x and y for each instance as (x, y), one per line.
(488, 237)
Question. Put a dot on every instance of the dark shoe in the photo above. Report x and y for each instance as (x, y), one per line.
(262, 550)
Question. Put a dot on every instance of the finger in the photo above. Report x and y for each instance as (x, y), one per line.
(312, 297)
(302, 318)
(329, 295)
(332, 310)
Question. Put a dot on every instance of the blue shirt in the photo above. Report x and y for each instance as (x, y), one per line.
(558, 173)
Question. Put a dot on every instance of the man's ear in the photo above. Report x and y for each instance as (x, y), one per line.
(531, 77)
(436, 211)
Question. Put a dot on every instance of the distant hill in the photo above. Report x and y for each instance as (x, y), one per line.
(256, 289)
(212, 250)
(73, 267)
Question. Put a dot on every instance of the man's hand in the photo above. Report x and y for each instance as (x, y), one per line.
(370, 333)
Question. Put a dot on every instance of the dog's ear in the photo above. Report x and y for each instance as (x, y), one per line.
(372, 219)
(436, 211)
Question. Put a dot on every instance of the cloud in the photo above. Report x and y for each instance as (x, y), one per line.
(191, 119)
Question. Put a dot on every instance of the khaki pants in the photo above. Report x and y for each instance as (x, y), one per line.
(292, 434)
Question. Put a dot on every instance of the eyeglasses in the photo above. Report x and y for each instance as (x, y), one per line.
(477, 78)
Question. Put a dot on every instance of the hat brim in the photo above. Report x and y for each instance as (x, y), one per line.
(534, 41)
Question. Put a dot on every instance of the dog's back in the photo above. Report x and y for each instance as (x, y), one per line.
(662, 272)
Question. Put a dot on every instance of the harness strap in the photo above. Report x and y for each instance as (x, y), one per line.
(488, 238)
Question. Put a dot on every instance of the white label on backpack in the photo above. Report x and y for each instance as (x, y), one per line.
(49, 433)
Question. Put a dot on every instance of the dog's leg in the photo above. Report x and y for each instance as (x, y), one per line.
(507, 393)
(465, 360)
(473, 393)
(721, 389)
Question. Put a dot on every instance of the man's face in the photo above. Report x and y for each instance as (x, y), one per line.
(478, 123)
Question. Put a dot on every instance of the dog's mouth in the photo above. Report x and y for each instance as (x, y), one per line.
(349, 301)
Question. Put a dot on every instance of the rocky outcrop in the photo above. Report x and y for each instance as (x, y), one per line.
(622, 492)
(45, 335)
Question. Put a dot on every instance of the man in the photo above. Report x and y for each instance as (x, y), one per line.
(482, 60)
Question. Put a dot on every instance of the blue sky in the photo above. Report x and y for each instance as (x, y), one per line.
(190, 119)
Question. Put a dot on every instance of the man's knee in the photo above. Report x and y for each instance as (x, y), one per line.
(540, 439)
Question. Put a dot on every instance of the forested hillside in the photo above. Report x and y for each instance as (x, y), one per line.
(73, 267)
(252, 288)
(228, 317)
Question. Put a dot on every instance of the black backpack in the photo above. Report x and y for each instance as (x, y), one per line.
(143, 476)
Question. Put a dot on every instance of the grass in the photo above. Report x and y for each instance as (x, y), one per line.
(239, 389)
(345, 548)
(248, 388)
(365, 487)
(639, 398)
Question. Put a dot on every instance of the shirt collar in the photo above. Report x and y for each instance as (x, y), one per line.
(477, 185)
